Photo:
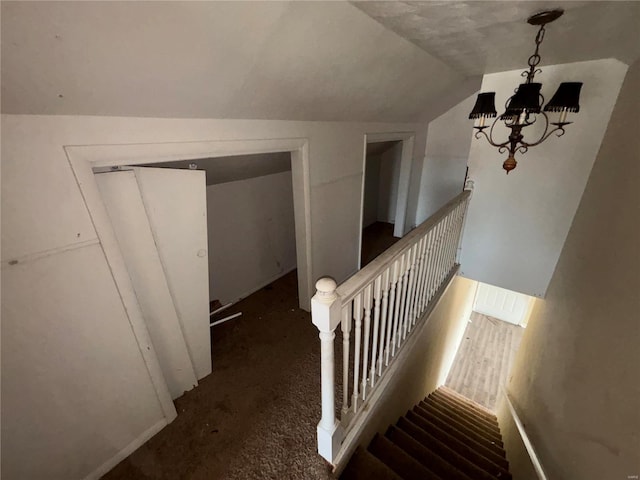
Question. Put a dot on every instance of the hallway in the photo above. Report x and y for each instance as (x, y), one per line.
(484, 359)
(255, 416)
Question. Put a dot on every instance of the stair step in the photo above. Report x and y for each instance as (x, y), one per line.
(456, 439)
(452, 414)
(364, 466)
(467, 459)
(467, 402)
(400, 461)
(454, 428)
(475, 433)
(424, 455)
(469, 406)
(465, 412)
(480, 455)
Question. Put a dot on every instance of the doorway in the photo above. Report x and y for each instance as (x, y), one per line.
(387, 165)
(250, 221)
(85, 161)
(199, 233)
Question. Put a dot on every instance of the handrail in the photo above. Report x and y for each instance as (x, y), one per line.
(348, 289)
(378, 309)
(535, 460)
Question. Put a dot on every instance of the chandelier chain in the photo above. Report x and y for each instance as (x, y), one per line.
(535, 59)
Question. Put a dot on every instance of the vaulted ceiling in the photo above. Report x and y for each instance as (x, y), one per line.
(477, 37)
(373, 61)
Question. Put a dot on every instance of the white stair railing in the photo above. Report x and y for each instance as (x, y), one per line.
(377, 310)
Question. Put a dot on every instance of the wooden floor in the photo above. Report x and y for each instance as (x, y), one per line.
(484, 359)
(376, 238)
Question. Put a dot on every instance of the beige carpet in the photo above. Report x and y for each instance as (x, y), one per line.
(255, 416)
(484, 359)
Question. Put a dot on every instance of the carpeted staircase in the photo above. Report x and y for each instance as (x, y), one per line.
(446, 436)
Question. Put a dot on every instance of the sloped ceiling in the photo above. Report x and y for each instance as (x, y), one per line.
(477, 37)
(367, 61)
(271, 60)
(235, 168)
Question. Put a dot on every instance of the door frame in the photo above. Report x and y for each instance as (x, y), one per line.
(406, 160)
(84, 159)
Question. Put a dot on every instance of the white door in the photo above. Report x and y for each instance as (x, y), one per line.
(176, 205)
(159, 218)
(501, 303)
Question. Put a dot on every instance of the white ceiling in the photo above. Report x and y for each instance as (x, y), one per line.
(272, 60)
(377, 148)
(323, 60)
(477, 37)
(234, 168)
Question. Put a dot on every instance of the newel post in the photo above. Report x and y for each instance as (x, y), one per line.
(325, 314)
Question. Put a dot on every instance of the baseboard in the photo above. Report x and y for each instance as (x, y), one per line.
(126, 451)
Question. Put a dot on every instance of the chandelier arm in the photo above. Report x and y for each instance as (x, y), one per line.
(492, 141)
(546, 134)
(482, 133)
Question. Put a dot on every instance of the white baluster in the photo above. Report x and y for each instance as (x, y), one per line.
(427, 260)
(377, 298)
(396, 315)
(436, 260)
(325, 315)
(392, 317)
(345, 326)
(366, 340)
(447, 244)
(408, 320)
(464, 219)
(403, 298)
(383, 319)
(420, 276)
(455, 235)
(357, 315)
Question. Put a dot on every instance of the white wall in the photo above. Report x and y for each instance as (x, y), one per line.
(371, 190)
(390, 163)
(447, 153)
(75, 387)
(517, 224)
(574, 380)
(252, 238)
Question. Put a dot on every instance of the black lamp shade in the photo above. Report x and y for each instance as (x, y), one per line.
(485, 106)
(526, 98)
(566, 98)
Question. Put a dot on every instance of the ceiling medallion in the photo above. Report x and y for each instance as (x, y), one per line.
(524, 107)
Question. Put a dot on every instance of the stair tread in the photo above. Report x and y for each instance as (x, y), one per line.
(467, 405)
(440, 448)
(424, 455)
(484, 439)
(475, 405)
(465, 412)
(489, 434)
(452, 429)
(365, 466)
(443, 437)
(476, 452)
(400, 461)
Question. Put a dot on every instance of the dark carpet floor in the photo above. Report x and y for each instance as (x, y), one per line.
(376, 238)
(255, 416)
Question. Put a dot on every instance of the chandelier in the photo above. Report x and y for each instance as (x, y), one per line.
(524, 107)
